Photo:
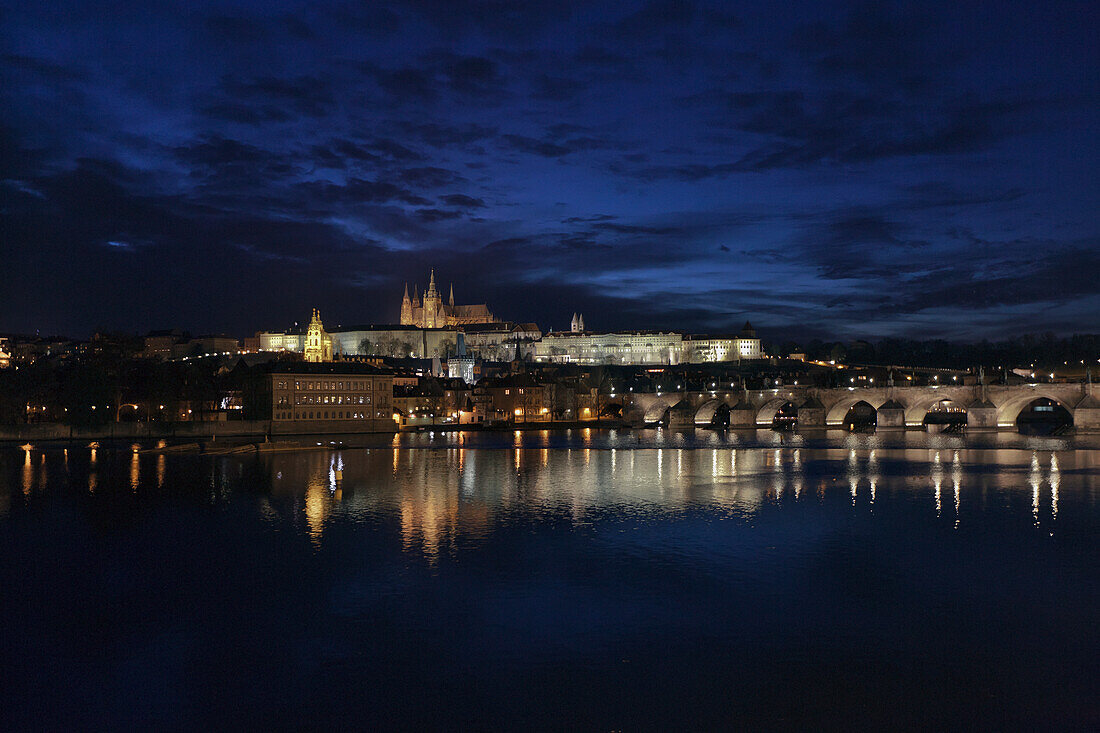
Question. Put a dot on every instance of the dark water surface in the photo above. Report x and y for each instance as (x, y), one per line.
(580, 580)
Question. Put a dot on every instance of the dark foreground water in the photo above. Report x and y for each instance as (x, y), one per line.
(577, 580)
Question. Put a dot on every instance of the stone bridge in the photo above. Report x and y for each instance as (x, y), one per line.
(895, 406)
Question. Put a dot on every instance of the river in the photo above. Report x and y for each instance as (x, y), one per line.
(560, 579)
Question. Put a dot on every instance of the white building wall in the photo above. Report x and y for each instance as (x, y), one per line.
(616, 348)
(277, 341)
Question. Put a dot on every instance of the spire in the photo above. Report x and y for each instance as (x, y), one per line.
(451, 298)
(406, 292)
(431, 284)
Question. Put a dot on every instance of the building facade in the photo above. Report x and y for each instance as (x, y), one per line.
(720, 348)
(395, 341)
(326, 397)
(628, 347)
(644, 347)
(281, 340)
(432, 312)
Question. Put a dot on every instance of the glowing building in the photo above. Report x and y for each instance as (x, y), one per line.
(432, 312)
(318, 345)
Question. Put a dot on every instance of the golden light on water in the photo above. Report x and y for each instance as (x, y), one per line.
(28, 472)
(135, 471)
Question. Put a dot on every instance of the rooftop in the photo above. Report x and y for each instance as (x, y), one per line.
(327, 367)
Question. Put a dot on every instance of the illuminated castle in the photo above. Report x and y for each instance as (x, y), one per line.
(434, 313)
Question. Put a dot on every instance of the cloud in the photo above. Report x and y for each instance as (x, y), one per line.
(429, 177)
(440, 72)
(358, 190)
(43, 69)
(531, 146)
(874, 43)
(462, 201)
(655, 19)
(442, 135)
(434, 215)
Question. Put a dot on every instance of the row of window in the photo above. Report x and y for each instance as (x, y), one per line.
(359, 385)
(323, 415)
(309, 399)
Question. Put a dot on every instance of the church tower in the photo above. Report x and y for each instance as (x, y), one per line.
(432, 305)
(318, 345)
(406, 308)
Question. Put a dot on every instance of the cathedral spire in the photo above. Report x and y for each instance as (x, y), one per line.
(406, 292)
(431, 284)
(451, 298)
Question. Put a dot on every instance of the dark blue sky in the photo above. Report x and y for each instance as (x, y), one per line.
(820, 168)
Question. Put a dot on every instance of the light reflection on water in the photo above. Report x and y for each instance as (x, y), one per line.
(490, 561)
(442, 496)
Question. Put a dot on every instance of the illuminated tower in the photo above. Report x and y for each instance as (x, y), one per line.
(432, 305)
(406, 308)
(318, 343)
(451, 298)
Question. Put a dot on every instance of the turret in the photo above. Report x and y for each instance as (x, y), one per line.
(318, 346)
(432, 305)
(406, 308)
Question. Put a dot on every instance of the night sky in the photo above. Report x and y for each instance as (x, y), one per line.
(819, 168)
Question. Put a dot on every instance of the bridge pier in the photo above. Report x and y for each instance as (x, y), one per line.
(742, 415)
(811, 414)
(681, 416)
(1086, 415)
(981, 415)
(890, 415)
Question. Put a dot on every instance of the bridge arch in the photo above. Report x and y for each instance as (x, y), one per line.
(835, 415)
(944, 414)
(657, 412)
(1010, 408)
(711, 410)
(765, 414)
(612, 409)
(861, 415)
(919, 404)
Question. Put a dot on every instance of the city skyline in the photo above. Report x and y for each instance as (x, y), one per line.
(835, 170)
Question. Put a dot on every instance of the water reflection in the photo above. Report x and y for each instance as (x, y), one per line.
(937, 481)
(440, 498)
(28, 472)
